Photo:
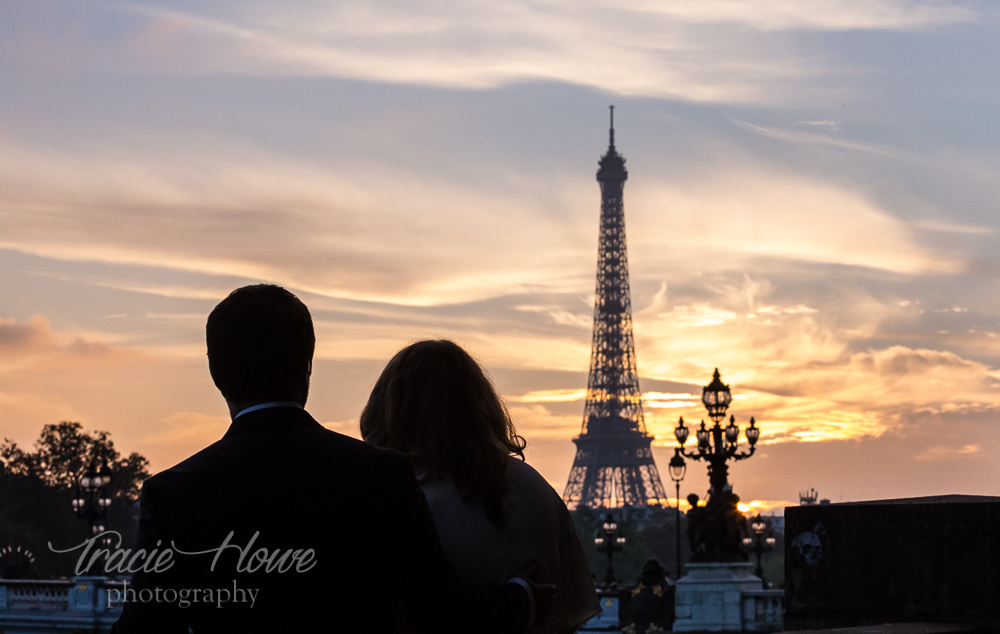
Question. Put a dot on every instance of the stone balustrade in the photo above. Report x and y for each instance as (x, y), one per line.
(763, 610)
(81, 604)
(30, 594)
(54, 606)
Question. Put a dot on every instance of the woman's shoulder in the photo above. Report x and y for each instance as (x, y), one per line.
(529, 490)
(521, 473)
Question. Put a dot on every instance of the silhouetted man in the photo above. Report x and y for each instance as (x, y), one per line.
(285, 526)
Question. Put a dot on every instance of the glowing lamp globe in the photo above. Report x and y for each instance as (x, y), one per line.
(716, 397)
(681, 432)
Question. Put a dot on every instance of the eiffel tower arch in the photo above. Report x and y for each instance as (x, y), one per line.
(614, 464)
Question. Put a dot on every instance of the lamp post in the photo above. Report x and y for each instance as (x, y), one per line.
(757, 543)
(677, 469)
(717, 445)
(609, 540)
(92, 501)
(717, 526)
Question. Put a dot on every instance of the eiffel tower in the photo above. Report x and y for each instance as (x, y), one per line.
(614, 465)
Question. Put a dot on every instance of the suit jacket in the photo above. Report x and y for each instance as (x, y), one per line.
(281, 482)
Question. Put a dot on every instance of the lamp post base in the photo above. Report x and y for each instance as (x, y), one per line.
(709, 597)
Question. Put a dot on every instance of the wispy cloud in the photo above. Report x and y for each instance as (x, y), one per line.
(720, 50)
(538, 422)
(186, 432)
(33, 344)
(550, 396)
(820, 15)
(950, 227)
(395, 237)
(933, 454)
(797, 136)
(356, 235)
(750, 214)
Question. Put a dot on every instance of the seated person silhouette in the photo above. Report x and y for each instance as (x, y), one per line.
(495, 514)
(652, 601)
(298, 527)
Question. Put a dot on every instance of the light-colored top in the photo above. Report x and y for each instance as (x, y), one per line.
(539, 542)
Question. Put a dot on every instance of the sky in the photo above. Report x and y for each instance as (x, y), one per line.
(812, 207)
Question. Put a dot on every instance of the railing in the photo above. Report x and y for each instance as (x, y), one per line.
(31, 594)
(55, 606)
(763, 610)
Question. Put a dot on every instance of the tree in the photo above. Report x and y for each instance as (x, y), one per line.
(64, 452)
(37, 488)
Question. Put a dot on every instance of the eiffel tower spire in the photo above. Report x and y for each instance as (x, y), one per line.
(614, 464)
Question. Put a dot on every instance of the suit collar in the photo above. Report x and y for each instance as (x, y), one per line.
(275, 418)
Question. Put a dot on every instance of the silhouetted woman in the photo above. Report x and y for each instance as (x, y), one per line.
(496, 515)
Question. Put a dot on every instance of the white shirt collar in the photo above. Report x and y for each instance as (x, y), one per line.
(254, 408)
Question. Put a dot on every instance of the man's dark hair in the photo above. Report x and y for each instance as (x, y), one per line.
(260, 345)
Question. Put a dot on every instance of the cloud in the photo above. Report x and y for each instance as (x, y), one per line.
(719, 50)
(816, 14)
(477, 45)
(550, 396)
(662, 400)
(400, 237)
(382, 235)
(950, 227)
(49, 374)
(796, 366)
(33, 344)
(35, 333)
(812, 138)
(538, 422)
(186, 432)
(741, 216)
(919, 379)
(932, 454)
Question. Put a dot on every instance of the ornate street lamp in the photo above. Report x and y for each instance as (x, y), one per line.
(717, 445)
(677, 469)
(609, 540)
(759, 541)
(717, 524)
(92, 501)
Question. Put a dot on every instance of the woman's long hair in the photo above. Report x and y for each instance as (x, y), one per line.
(434, 402)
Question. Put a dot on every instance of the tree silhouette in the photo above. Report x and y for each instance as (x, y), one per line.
(38, 486)
(63, 452)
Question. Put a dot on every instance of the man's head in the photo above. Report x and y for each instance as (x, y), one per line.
(260, 345)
